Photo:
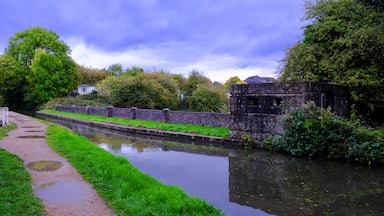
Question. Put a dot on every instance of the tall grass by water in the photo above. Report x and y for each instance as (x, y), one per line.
(126, 189)
(16, 194)
(185, 128)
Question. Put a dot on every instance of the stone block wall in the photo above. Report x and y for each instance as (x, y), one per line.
(256, 110)
(150, 114)
(97, 111)
(199, 118)
(123, 112)
(165, 115)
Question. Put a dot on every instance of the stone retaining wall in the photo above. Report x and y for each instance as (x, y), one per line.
(194, 138)
(165, 115)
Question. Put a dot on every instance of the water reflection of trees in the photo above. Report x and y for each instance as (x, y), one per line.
(281, 184)
(115, 142)
(119, 143)
(292, 186)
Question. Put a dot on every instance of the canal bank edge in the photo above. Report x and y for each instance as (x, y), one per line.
(195, 138)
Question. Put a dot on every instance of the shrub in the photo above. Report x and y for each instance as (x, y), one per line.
(92, 99)
(316, 133)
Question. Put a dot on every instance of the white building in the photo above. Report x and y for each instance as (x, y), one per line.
(85, 89)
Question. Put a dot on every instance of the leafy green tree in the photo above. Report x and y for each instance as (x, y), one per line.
(10, 88)
(224, 97)
(165, 80)
(106, 86)
(231, 81)
(144, 90)
(30, 54)
(179, 80)
(344, 44)
(377, 4)
(194, 79)
(90, 75)
(134, 71)
(159, 89)
(205, 100)
(115, 69)
(203, 95)
(48, 77)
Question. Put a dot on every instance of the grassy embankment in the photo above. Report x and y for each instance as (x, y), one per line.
(126, 189)
(185, 128)
(16, 194)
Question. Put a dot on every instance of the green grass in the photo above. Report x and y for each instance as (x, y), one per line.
(185, 128)
(126, 189)
(4, 130)
(16, 194)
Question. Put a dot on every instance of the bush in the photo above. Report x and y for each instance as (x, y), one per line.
(92, 99)
(316, 133)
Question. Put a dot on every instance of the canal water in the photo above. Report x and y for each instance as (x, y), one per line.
(251, 183)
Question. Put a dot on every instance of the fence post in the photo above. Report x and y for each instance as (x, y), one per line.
(133, 112)
(3, 116)
(166, 115)
(109, 111)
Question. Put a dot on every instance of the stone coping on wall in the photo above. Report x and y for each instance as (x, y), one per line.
(202, 139)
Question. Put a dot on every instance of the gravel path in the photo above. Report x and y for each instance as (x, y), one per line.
(60, 187)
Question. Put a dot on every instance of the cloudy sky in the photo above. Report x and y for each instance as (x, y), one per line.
(220, 38)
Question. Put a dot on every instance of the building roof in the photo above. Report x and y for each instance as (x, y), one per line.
(257, 79)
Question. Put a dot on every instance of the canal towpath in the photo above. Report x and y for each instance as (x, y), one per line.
(61, 188)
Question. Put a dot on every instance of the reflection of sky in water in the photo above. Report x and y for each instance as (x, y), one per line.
(199, 175)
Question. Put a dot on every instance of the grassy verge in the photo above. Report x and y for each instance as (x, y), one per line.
(126, 189)
(4, 130)
(16, 194)
(186, 128)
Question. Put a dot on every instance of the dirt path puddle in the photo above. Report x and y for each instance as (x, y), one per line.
(31, 126)
(31, 137)
(62, 191)
(45, 165)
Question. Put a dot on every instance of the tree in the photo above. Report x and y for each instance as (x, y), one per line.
(344, 44)
(30, 54)
(134, 71)
(159, 89)
(231, 81)
(204, 99)
(48, 77)
(145, 90)
(115, 69)
(377, 4)
(224, 97)
(203, 95)
(90, 75)
(195, 78)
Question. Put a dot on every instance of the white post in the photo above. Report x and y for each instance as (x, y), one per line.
(3, 116)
